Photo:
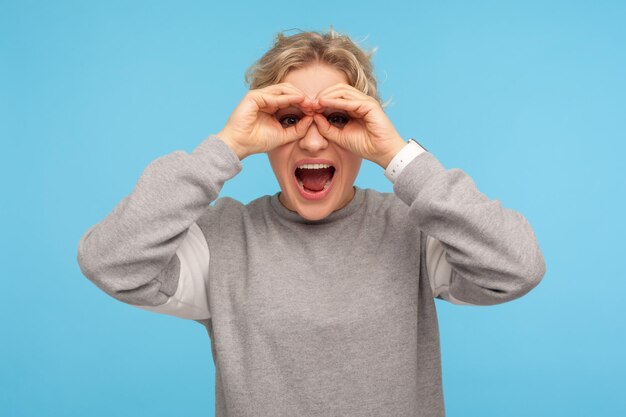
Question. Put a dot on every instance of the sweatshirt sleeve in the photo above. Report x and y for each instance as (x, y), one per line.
(487, 254)
(148, 251)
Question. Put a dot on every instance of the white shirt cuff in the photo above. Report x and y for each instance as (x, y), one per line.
(402, 159)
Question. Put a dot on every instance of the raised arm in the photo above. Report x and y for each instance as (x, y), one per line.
(492, 251)
(477, 252)
(146, 251)
(149, 251)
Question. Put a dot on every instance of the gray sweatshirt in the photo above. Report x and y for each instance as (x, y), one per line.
(334, 317)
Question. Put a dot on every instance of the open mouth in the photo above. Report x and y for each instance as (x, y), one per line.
(314, 178)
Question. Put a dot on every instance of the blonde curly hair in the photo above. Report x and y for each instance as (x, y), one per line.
(308, 47)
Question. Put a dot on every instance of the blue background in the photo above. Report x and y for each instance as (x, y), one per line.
(527, 97)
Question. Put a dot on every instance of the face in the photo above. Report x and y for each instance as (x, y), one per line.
(286, 158)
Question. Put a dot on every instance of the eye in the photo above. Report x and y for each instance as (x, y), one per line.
(339, 118)
(288, 120)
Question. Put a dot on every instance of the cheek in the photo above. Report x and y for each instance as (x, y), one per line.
(279, 161)
(352, 165)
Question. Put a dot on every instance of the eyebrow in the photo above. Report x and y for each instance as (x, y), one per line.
(288, 109)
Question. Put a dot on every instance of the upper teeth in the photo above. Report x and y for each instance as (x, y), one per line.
(313, 166)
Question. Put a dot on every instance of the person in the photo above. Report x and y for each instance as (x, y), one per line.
(318, 299)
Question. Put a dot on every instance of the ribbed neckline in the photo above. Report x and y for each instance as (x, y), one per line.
(295, 217)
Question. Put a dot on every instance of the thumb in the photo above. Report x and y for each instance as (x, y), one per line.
(299, 130)
(325, 128)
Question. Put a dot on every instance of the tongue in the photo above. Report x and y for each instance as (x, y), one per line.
(314, 179)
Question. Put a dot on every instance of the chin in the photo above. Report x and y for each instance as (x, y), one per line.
(308, 209)
(314, 213)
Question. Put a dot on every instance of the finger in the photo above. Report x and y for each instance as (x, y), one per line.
(325, 128)
(355, 108)
(307, 105)
(303, 126)
(343, 90)
(298, 130)
(310, 106)
(351, 94)
(283, 88)
(268, 103)
(286, 100)
(332, 88)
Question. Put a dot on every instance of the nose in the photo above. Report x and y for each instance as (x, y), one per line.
(313, 141)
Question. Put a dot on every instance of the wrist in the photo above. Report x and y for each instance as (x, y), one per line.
(409, 152)
(397, 145)
(241, 154)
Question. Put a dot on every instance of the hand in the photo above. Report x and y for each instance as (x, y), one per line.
(369, 133)
(252, 127)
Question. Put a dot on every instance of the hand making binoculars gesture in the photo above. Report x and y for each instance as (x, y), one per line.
(253, 128)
